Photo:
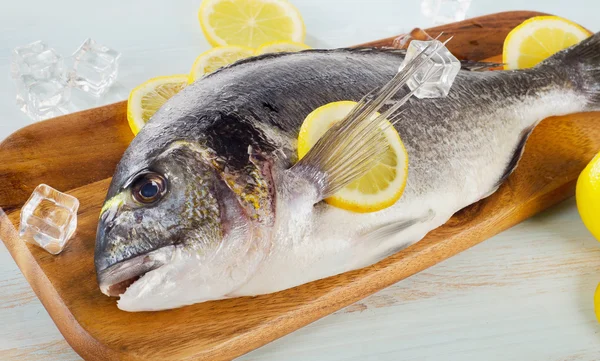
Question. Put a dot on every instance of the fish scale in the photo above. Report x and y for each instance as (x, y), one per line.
(248, 116)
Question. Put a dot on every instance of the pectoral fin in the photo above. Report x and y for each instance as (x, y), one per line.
(353, 146)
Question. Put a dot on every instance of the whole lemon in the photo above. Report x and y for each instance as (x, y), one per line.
(588, 196)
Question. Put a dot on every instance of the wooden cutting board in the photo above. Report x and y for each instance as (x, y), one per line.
(78, 153)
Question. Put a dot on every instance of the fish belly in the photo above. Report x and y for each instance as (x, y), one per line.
(450, 167)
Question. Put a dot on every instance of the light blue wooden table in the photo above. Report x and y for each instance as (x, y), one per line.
(525, 294)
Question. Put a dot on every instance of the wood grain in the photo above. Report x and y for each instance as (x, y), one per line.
(64, 152)
(48, 351)
(557, 151)
(476, 38)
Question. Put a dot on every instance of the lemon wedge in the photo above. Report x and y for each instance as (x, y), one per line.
(250, 23)
(148, 97)
(216, 58)
(280, 47)
(538, 38)
(383, 185)
(587, 194)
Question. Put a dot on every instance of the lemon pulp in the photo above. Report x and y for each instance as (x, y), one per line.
(250, 23)
(148, 97)
(383, 185)
(216, 58)
(538, 38)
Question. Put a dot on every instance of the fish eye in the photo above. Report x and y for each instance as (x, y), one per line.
(148, 188)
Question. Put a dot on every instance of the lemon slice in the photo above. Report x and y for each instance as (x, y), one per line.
(250, 23)
(538, 38)
(148, 97)
(280, 47)
(587, 194)
(383, 185)
(216, 58)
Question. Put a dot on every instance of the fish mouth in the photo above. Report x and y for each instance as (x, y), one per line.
(115, 280)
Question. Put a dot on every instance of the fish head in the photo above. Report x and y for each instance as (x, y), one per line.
(173, 227)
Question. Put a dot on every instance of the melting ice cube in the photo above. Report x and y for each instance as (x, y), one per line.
(49, 218)
(20, 54)
(94, 68)
(445, 11)
(39, 73)
(38, 60)
(438, 75)
(42, 98)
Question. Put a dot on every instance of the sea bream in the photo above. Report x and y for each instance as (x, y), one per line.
(210, 202)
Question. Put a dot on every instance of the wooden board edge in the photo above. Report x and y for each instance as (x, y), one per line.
(76, 336)
(460, 26)
(342, 297)
(14, 135)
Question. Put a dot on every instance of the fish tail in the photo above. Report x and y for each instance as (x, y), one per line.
(581, 64)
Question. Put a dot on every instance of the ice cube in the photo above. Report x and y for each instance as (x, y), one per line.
(49, 218)
(437, 75)
(38, 60)
(445, 11)
(39, 73)
(42, 98)
(94, 67)
(21, 53)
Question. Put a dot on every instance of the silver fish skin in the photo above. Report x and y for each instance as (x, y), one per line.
(205, 203)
